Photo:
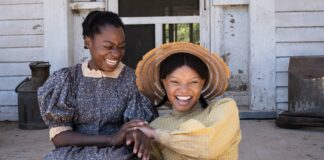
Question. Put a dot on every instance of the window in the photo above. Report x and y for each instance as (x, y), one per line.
(187, 32)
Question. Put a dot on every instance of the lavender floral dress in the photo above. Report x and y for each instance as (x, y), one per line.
(95, 106)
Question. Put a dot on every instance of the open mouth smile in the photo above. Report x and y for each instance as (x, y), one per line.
(183, 98)
(111, 62)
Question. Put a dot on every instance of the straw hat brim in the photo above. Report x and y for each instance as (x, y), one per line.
(147, 70)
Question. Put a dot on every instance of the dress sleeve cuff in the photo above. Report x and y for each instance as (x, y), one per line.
(57, 130)
(162, 136)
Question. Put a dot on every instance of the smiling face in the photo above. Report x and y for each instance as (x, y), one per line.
(183, 87)
(107, 48)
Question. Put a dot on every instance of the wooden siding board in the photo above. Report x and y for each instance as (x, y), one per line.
(282, 94)
(298, 27)
(21, 41)
(2, 2)
(282, 79)
(300, 34)
(21, 11)
(282, 106)
(9, 113)
(10, 83)
(282, 64)
(300, 49)
(8, 98)
(21, 27)
(299, 5)
(21, 54)
(14, 69)
(299, 19)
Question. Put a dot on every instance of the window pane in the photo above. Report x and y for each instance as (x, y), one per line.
(139, 40)
(181, 33)
(147, 8)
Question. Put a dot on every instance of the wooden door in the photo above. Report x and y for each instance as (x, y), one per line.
(230, 33)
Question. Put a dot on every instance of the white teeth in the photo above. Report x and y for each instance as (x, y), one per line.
(183, 98)
(111, 62)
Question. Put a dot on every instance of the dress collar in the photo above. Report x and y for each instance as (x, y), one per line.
(87, 72)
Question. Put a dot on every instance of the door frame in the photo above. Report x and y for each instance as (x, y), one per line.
(158, 21)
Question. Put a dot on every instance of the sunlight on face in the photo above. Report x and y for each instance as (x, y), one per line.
(183, 87)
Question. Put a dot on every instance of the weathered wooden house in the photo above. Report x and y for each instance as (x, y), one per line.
(255, 37)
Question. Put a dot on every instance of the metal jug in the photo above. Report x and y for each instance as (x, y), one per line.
(28, 109)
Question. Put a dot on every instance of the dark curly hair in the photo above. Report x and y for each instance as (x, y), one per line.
(96, 19)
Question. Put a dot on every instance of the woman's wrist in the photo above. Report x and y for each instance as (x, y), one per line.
(110, 141)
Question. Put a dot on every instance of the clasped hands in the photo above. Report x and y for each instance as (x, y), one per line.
(137, 133)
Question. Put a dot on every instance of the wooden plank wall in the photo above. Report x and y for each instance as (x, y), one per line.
(21, 42)
(299, 32)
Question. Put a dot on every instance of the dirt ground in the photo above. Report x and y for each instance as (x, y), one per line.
(262, 140)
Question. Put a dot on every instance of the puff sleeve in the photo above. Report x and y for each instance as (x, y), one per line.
(139, 106)
(55, 99)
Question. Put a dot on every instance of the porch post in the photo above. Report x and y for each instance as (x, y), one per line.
(58, 33)
(262, 60)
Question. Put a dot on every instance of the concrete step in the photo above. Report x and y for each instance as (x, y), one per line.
(247, 113)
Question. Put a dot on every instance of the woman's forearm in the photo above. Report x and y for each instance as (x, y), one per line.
(71, 138)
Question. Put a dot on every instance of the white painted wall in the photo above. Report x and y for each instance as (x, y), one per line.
(21, 42)
(299, 32)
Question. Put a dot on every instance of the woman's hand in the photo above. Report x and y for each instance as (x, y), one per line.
(141, 137)
(147, 130)
(119, 138)
(141, 143)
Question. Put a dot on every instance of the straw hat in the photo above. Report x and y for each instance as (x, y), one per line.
(147, 70)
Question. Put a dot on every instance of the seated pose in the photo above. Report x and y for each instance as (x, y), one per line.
(89, 107)
(188, 78)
